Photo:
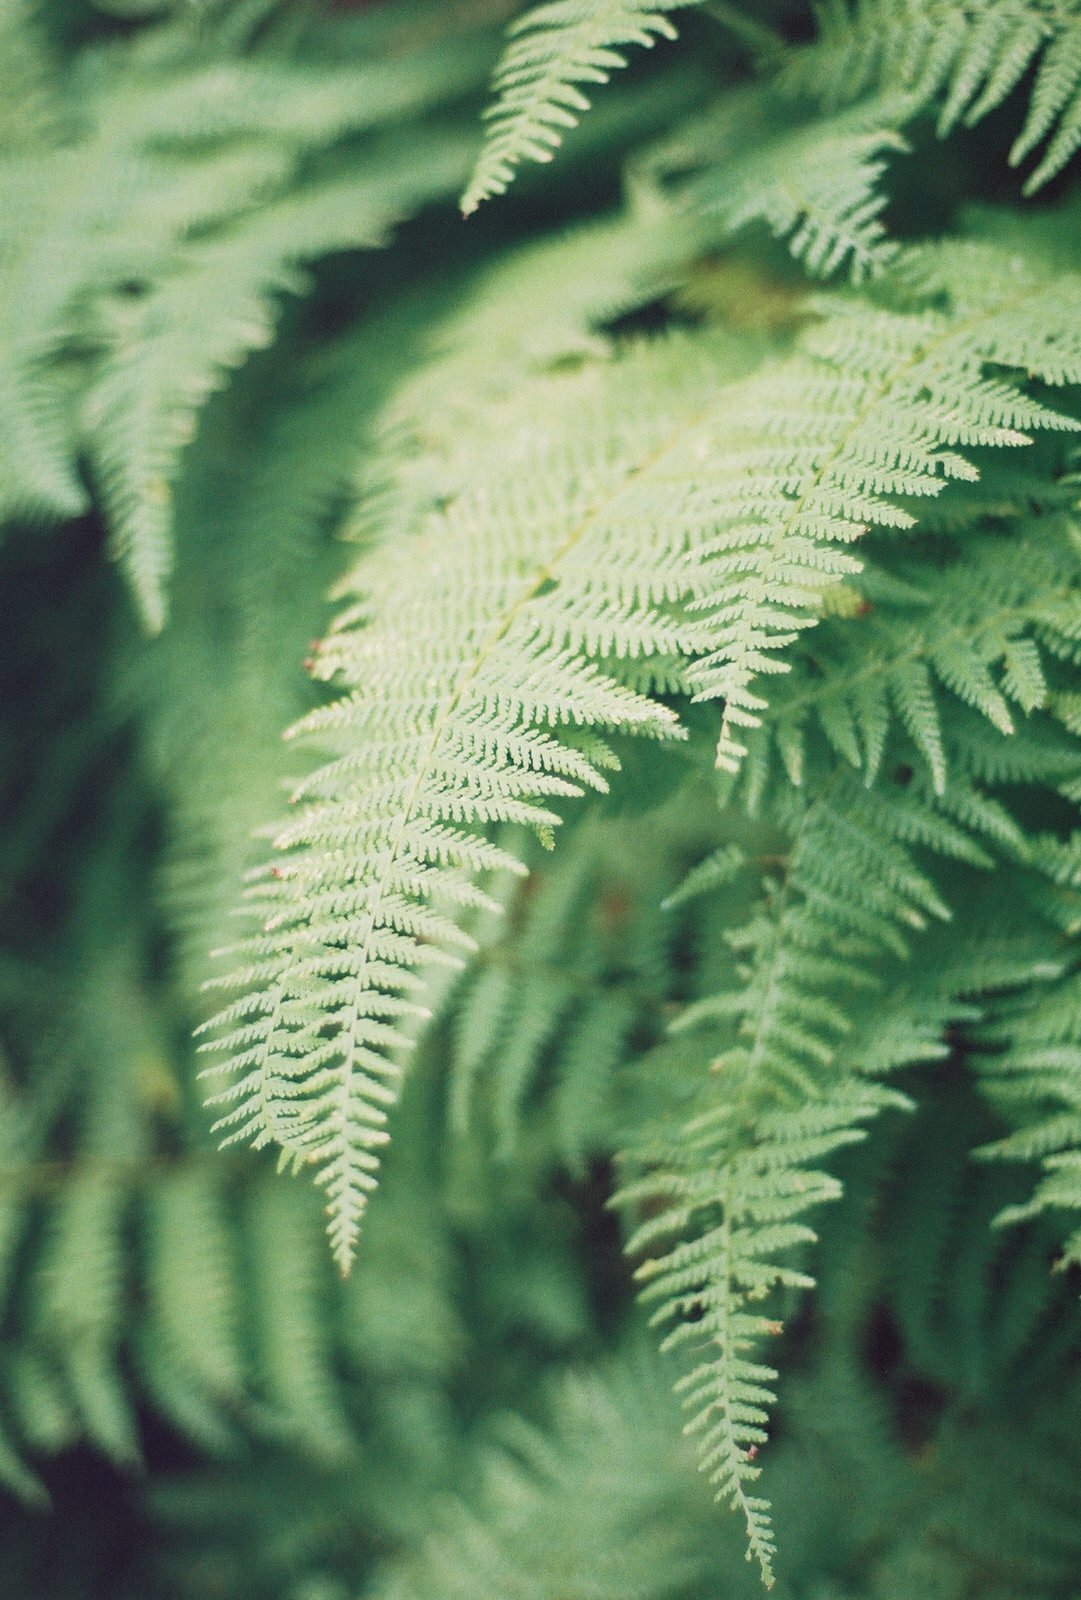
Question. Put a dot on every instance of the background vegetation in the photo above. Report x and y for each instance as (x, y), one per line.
(703, 506)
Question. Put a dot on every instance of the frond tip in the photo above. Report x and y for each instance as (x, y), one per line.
(555, 48)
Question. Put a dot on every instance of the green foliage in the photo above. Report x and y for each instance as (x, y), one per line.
(554, 48)
(963, 59)
(658, 926)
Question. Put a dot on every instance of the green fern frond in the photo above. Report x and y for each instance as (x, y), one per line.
(997, 616)
(963, 56)
(459, 695)
(181, 339)
(156, 237)
(554, 49)
(742, 1194)
(1029, 1065)
(590, 1503)
(80, 1305)
(192, 1281)
(821, 447)
(815, 184)
(822, 1005)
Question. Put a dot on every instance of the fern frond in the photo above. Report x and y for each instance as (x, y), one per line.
(555, 48)
(1029, 1065)
(191, 328)
(459, 697)
(192, 1281)
(822, 1005)
(815, 184)
(986, 632)
(80, 1304)
(822, 445)
(963, 56)
(742, 1193)
(593, 1503)
(146, 250)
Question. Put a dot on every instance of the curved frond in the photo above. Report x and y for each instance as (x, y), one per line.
(962, 56)
(555, 48)
(484, 662)
(987, 632)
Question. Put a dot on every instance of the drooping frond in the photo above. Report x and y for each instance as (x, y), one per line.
(830, 994)
(204, 319)
(814, 183)
(871, 409)
(146, 249)
(962, 56)
(555, 48)
(485, 662)
(997, 616)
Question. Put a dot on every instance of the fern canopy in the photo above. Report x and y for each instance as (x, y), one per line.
(566, 732)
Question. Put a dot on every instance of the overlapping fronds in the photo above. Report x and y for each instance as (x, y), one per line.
(193, 1284)
(873, 408)
(963, 57)
(633, 496)
(145, 253)
(562, 1510)
(995, 619)
(561, 608)
(822, 1005)
(568, 613)
(178, 342)
(555, 48)
(814, 183)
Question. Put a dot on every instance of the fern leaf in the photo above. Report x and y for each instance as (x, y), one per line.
(987, 632)
(815, 184)
(555, 48)
(966, 56)
(186, 334)
(192, 1280)
(293, 1338)
(463, 702)
(822, 1006)
(821, 446)
(80, 1307)
(741, 1193)
(1029, 1062)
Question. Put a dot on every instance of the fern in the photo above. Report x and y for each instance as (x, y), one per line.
(554, 48)
(813, 183)
(854, 431)
(478, 753)
(1028, 1064)
(180, 224)
(1002, 610)
(334, 965)
(727, 538)
(796, 1080)
(173, 352)
(964, 58)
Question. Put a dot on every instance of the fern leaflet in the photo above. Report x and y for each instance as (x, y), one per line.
(554, 49)
(966, 56)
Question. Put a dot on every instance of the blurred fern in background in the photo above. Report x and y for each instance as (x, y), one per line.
(651, 954)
